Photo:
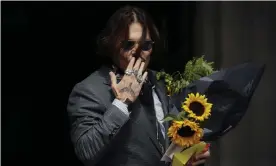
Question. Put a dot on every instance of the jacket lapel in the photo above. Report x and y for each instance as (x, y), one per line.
(146, 125)
(161, 92)
(104, 72)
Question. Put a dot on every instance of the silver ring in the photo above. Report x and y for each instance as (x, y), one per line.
(139, 78)
(128, 72)
(135, 72)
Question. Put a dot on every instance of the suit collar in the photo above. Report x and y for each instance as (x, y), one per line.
(104, 72)
(160, 90)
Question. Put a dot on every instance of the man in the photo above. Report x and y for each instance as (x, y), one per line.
(116, 112)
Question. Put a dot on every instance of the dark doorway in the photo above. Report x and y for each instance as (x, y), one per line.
(47, 48)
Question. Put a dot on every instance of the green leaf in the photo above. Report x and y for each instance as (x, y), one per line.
(181, 115)
(169, 117)
(158, 75)
(194, 69)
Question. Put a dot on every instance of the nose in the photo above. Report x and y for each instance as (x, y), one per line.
(136, 46)
(134, 49)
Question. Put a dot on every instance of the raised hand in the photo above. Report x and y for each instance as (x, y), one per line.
(128, 89)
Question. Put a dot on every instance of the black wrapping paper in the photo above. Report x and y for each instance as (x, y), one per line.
(230, 91)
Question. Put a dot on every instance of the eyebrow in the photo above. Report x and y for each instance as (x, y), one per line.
(147, 38)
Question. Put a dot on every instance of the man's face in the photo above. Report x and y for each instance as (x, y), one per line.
(132, 47)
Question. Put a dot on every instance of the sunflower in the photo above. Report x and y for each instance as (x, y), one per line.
(185, 133)
(197, 107)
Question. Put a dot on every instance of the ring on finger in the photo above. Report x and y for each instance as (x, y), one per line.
(128, 72)
(135, 72)
(139, 78)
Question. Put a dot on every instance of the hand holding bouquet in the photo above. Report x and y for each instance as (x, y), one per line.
(186, 131)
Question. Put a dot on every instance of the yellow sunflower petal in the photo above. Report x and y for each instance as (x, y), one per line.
(199, 99)
(185, 108)
(185, 141)
(186, 102)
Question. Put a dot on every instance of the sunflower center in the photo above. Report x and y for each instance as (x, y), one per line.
(197, 108)
(185, 131)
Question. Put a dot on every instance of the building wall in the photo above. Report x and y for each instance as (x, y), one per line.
(230, 33)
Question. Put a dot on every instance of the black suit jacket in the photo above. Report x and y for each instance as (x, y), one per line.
(103, 135)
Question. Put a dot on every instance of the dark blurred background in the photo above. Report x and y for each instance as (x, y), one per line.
(47, 47)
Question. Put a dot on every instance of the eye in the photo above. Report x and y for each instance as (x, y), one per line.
(147, 45)
(127, 45)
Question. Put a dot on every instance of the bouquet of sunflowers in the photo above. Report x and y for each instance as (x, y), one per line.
(210, 104)
(186, 128)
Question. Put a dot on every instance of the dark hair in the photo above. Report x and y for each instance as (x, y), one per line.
(117, 30)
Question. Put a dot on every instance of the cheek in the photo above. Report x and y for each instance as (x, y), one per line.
(124, 59)
(146, 55)
(125, 55)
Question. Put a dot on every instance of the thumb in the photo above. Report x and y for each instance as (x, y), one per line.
(113, 78)
(113, 83)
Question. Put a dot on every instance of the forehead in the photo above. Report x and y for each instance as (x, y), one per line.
(136, 31)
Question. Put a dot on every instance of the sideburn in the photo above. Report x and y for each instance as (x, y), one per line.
(122, 35)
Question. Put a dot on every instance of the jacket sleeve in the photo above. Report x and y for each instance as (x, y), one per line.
(93, 124)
